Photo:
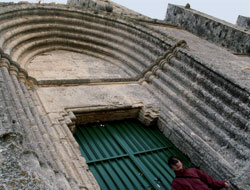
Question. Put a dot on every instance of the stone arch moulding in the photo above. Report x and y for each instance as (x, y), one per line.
(30, 30)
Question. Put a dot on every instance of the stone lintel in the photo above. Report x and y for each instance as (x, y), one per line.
(148, 115)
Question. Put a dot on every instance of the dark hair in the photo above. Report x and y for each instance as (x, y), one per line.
(172, 161)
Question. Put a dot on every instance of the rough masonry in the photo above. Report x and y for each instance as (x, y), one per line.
(61, 65)
(207, 27)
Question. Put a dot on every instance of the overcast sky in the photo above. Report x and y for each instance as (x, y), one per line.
(227, 10)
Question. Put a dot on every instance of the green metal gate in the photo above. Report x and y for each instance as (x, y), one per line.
(125, 155)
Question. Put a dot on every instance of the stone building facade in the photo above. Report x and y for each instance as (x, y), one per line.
(59, 64)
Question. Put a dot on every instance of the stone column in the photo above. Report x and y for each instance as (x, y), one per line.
(24, 128)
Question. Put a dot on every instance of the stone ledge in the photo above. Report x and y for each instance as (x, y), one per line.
(73, 82)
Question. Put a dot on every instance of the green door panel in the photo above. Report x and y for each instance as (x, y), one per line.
(125, 155)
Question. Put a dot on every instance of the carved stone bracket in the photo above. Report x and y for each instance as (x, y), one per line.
(70, 120)
(149, 115)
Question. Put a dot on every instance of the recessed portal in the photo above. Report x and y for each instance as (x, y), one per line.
(125, 155)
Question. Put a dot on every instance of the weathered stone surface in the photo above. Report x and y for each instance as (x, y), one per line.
(214, 30)
(23, 164)
(197, 92)
(12, 175)
(243, 22)
(201, 109)
(54, 66)
(233, 67)
(107, 6)
(56, 99)
(122, 42)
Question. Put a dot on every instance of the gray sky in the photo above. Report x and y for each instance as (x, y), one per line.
(227, 10)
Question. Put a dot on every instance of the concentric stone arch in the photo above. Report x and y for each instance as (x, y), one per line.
(29, 30)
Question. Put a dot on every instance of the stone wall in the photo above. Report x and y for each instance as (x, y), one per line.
(28, 158)
(204, 108)
(95, 5)
(243, 22)
(204, 115)
(107, 6)
(35, 31)
(212, 29)
(72, 66)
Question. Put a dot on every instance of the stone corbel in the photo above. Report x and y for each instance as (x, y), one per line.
(69, 119)
(149, 115)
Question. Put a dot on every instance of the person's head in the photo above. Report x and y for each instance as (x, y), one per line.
(175, 164)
